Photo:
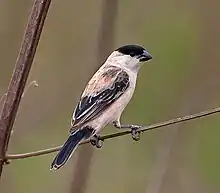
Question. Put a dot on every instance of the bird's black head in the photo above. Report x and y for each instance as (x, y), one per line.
(135, 51)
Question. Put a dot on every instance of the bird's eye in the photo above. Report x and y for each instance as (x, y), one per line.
(132, 54)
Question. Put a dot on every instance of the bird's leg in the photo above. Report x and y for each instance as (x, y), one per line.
(96, 141)
(134, 129)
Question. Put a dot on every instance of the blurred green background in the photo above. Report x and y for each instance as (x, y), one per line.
(182, 78)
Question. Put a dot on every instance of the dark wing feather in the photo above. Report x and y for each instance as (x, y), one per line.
(90, 106)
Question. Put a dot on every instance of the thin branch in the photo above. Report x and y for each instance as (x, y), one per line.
(26, 89)
(20, 74)
(32, 83)
(117, 134)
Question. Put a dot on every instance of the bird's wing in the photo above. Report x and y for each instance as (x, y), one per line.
(103, 89)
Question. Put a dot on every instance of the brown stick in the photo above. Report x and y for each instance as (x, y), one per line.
(20, 74)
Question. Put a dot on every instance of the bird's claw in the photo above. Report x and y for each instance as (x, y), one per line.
(96, 141)
(134, 133)
(5, 161)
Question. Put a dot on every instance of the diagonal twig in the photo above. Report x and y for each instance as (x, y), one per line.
(122, 133)
(20, 74)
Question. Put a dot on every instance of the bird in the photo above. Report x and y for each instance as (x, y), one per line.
(104, 99)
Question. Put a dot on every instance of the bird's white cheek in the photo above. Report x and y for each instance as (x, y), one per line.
(133, 64)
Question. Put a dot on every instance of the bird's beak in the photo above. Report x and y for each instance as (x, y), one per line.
(145, 56)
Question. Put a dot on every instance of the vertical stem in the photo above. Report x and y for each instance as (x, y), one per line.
(105, 45)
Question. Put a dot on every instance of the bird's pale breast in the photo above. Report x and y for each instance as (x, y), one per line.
(114, 112)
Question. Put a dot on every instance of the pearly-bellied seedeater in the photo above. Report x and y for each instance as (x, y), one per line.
(104, 99)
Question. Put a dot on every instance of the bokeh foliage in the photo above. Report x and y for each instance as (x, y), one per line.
(66, 58)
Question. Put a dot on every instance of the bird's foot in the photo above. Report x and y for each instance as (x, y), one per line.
(5, 161)
(96, 141)
(135, 133)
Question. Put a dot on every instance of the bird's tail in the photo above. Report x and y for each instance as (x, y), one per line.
(69, 147)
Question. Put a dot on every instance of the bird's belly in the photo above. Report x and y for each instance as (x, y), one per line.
(113, 112)
(118, 107)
